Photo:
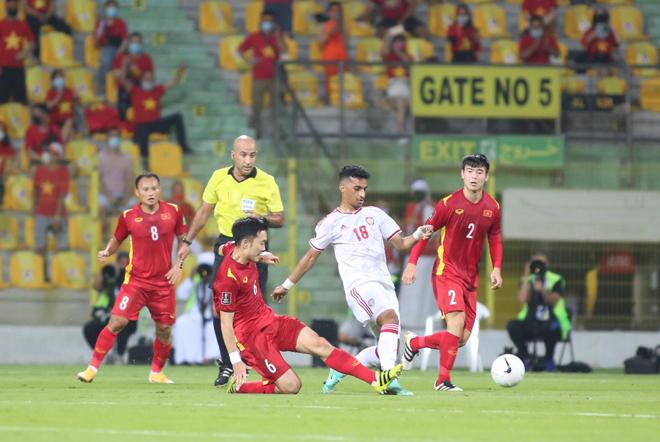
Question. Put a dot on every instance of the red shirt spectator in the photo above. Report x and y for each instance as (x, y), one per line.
(36, 136)
(539, 8)
(265, 51)
(146, 104)
(111, 32)
(101, 118)
(138, 65)
(464, 39)
(392, 9)
(599, 48)
(14, 34)
(539, 49)
(41, 6)
(63, 110)
(397, 66)
(52, 182)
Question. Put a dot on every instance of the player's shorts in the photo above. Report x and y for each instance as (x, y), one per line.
(262, 351)
(369, 300)
(452, 296)
(160, 302)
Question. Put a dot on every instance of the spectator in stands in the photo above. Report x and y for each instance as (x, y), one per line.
(146, 108)
(600, 42)
(266, 46)
(537, 45)
(42, 12)
(178, 197)
(130, 65)
(40, 133)
(116, 170)
(545, 9)
(283, 12)
(397, 62)
(334, 41)
(463, 36)
(51, 185)
(8, 158)
(100, 117)
(544, 314)
(393, 13)
(16, 43)
(60, 102)
(109, 36)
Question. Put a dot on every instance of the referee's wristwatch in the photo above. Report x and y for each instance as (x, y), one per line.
(186, 241)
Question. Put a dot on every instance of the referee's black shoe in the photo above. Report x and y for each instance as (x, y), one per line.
(224, 373)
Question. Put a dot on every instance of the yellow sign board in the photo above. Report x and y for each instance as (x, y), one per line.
(485, 92)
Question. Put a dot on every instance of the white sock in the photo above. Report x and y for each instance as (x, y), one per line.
(368, 357)
(388, 345)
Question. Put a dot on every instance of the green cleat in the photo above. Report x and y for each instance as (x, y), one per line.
(385, 378)
(334, 377)
(231, 385)
(395, 389)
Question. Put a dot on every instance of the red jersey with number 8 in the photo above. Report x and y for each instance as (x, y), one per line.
(152, 236)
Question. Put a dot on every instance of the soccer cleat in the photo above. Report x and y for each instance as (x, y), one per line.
(446, 386)
(385, 378)
(408, 353)
(334, 377)
(88, 375)
(395, 389)
(232, 388)
(224, 373)
(159, 378)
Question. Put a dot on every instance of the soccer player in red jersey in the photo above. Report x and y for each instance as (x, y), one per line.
(152, 225)
(255, 336)
(465, 218)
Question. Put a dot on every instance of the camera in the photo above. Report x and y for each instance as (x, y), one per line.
(538, 269)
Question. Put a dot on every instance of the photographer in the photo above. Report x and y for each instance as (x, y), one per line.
(544, 315)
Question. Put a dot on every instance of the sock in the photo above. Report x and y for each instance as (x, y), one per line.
(161, 353)
(224, 354)
(345, 363)
(430, 341)
(448, 351)
(388, 345)
(104, 343)
(369, 356)
(257, 387)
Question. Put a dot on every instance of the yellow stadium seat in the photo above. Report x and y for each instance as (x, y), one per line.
(504, 52)
(306, 86)
(56, 50)
(92, 53)
(577, 21)
(253, 16)
(38, 83)
(572, 85)
(642, 53)
(353, 9)
(315, 55)
(649, 94)
(616, 2)
(8, 233)
(303, 17)
(165, 159)
(71, 201)
(26, 270)
(192, 190)
(17, 117)
(353, 97)
(21, 11)
(611, 86)
(81, 81)
(477, 2)
(134, 151)
(3, 284)
(419, 49)
(230, 59)
(18, 193)
(627, 23)
(81, 15)
(82, 228)
(28, 234)
(83, 154)
(441, 17)
(215, 17)
(490, 19)
(69, 270)
(369, 50)
(210, 229)
(245, 91)
(111, 87)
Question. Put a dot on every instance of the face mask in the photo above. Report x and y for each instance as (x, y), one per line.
(111, 12)
(419, 196)
(462, 19)
(602, 30)
(536, 33)
(36, 120)
(267, 26)
(147, 85)
(134, 48)
(58, 83)
(114, 142)
(45, 158)
(12, 12)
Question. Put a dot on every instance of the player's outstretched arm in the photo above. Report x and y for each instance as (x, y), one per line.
(109, 250)
(303, 266)
(269, 258)
(199, 221)
(422, 233)
(227, 327)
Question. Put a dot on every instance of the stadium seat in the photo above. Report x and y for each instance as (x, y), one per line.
(572, 85)
(315, 55)
(192, 190)
(69, 270)
(28, 235)
(306, 86)
(440, 18)
(210, 229)
(303, 17)
(111, 90)
(627, 23)
(83, 154)
(17, 117)
(92, 53)
(419, 49)
(649, 94)
(245, 91)
(21, 11)
(38, 83)
(611, 86)
(165, 159)
(368, 50)
(577, 21)
(72, 199)
(291, 54)
(504, 52)
(3, 284)
(215, 17)
(81, 231)
(490, 19)
(18, 193)
(56, 50)
(81, 15)
(8, 232)
(253, 16)
(230, 59)
(81, 81)
(353, 9)
(616, 2)
(134, 151)
(26, 270)
(477, 2)
(353, 97)
(642, 53)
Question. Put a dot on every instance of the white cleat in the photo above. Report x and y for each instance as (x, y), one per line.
(408, 353)
(446, 386)
(159, 378)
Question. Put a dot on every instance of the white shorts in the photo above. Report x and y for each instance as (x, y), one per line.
(398, 88)
(370, 299)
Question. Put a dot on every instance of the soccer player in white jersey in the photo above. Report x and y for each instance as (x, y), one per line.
(357, 234)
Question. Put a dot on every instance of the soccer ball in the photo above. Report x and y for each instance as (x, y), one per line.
(507, 370)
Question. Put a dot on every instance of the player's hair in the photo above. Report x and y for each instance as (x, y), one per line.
(135, 34)
(267, 13)
(145, 175)
(248, 228)
(476, 160)
(536, 18)
(352, 171)
(55, 73)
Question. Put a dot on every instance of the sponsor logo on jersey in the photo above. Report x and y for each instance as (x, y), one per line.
(225, 298)
(370, 220)
(343, 227)
(138, 219)
(459, 211)
(371, 302)
(165, 216)
(488, 213)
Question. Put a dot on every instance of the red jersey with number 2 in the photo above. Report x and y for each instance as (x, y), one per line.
(152, 237)
(463, 227)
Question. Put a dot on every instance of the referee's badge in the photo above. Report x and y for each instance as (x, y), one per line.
(225, 298)
(370, 220)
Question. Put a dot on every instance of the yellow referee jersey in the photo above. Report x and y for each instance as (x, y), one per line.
(258, 193)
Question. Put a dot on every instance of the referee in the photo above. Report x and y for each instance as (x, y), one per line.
(232, 193)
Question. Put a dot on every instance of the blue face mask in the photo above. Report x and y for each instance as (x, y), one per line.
(134, 48)
(111, 12)
(114, 142)
(58, 83)
(536, 33)
(267, 27)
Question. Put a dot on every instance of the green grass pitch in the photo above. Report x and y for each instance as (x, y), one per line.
(46, 403)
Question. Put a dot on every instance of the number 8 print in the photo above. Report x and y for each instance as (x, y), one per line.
(154, 233)
(123, 303)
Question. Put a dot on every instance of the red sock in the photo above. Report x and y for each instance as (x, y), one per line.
(430, 341)
(161, 353)
(347, 364)
(448, 351)
(104, 343)
(257, 387)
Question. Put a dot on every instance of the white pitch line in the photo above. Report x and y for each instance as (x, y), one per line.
(580, 414)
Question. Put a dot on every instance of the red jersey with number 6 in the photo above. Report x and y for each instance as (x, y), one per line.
(463, 227)
(152, 236)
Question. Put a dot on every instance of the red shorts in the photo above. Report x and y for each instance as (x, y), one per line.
(261, 350)
(160, 302)
(452, 296)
